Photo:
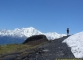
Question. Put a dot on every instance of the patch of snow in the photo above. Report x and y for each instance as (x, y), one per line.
(76, 43)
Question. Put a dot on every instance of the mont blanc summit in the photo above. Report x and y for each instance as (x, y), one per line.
(20, 32)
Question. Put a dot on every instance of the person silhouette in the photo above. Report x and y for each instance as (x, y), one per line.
(67, 31)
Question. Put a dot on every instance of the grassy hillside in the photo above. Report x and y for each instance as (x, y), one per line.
(10, 48)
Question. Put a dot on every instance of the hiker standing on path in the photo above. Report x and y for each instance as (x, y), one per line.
(67, 31)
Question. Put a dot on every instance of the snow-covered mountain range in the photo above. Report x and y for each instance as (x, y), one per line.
(19, 35)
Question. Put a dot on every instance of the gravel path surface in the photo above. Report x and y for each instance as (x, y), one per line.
(50, 51)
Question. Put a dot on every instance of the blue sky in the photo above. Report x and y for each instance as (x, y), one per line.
(44, 15)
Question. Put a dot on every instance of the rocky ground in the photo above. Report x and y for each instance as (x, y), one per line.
(49, 51)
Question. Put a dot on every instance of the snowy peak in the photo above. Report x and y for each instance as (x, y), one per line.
(20, 32)
(30, 31)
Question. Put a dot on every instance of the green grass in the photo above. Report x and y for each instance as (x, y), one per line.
(12, 48)
(22, 48)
